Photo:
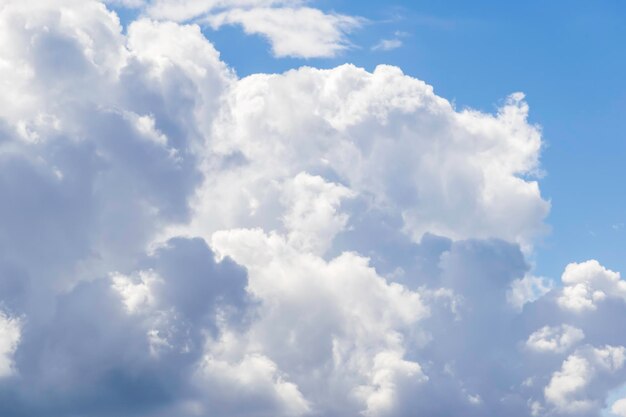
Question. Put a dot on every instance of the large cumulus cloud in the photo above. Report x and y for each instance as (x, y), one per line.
(178, 241)
(406, 152)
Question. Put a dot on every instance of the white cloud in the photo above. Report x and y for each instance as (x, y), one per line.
(387, 45)
(566, 389)
(566, 383)
(619, 407)
(136, 292)
(338, 320)
(588, 283)
(292, 28)
(389, 371)
(555, 339)
(233, 384)
(298, 32)
(389, 139)
(526, 290)
(10, 334)
(312, 216)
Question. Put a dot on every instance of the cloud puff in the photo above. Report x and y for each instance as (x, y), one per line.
(178, 241)
(588, 283)
(527, 289)
(554, 339)
(336, 321)
(619, 407)
(566, 387)
(387, 137)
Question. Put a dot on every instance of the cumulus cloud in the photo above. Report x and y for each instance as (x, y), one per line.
(527, 289)
(566, 389)
(555, 339)
(312, 217)
(373, 132)
(175, 240)
(588, 283)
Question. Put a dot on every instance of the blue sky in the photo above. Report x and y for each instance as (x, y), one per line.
(324, 208)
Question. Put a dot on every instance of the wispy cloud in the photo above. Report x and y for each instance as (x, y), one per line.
(387, 45)
(293, 28)
(297, 32)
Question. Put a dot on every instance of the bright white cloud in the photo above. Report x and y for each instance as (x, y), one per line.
(10, 334)
(555, 339)
(233, 384)
(312, 216)
(136, 292)
(338, 318)
(588, 283)
(301, 32)
(526, 290)
(566, 389)
(619, 407)
(292, 28)
(565, 384)
(389, 139)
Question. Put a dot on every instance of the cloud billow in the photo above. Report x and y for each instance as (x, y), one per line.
(175, 240)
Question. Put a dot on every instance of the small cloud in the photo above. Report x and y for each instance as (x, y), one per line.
(293, 32)
(291, 28)
(474, 399)
(130, 4)
(387, 45)
(617, 226)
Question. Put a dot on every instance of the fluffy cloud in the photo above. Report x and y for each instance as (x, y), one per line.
(374, 133)
(588, 283)
(10, 333)
(527, 289)
(566, 389)
(178, 241)
(555, 339)
(619, 407)
(312, 217)
(337, 320)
